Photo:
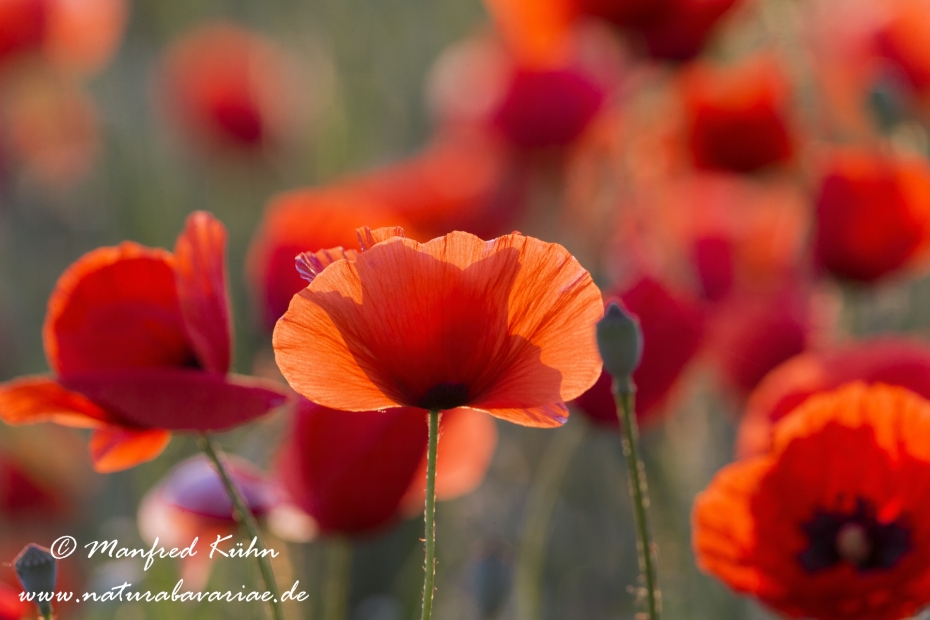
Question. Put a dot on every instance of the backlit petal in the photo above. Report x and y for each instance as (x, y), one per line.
(200, 273)
(39, 399)
(113, 448)
(176, 398)
(116, 307)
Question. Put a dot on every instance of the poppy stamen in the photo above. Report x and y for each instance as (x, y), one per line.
(445, 396)
(853, 543)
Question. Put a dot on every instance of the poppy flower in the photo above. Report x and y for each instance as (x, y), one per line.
(904, 40)
(738, 116)
(896, 361)
(672, 325)
(829, 524)
(25, 495)
(355, 472)
(684, 29)
(505, 326)
(139, 342)
(22, 26)
(11, 608)
(873, 214)
(192, 502)
(227, 87)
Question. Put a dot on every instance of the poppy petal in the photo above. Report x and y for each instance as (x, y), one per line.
(200, 273)
(39, 399)
(467, 441)
(177, 399)
(310, 264)
(537, 31)
(116, 307)
(547, 416)
(114, 448)
(509, 321)
(368, 237)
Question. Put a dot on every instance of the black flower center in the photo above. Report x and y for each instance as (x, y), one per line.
(857, 538)
(444, 396)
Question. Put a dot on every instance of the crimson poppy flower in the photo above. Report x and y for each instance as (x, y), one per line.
(672, 325)
(192, 502)
(505, 326)
(892, 360)
(139, 340)
(738, 116)
(829, 524)
(228, 87)
(355, 472)
(873, 214)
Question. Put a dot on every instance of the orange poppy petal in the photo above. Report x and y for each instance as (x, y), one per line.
(116, 307)
(114, 448)
(178, 399)
(547, 416)
(467, 442)
(38, 399)
(368, 237)
(504, 324)
(311, 264)
(200, 273)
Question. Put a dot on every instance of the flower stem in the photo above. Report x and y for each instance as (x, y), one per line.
(429, 568)
(246, 519)
(338, 569)
(640, 496)
(537, 524)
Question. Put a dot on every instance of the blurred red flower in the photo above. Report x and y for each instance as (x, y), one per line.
(22, 26)
(504, 326)
(228, 87)
(828, 525)
(11, 608)
(140, 343)
(25, 495)
(873, 214)
(355, 472)
(192, 502)
(904, 40)
(738, 116)
(904, 362)
(673, 329)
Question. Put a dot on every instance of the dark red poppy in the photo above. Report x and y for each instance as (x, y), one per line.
(192, 502)
(683, 32)
(904, 362)
(738, 116)
(873, 213)
(227, 87)
(673, 330)
(140, 343)
(829, 524)
(355, 472)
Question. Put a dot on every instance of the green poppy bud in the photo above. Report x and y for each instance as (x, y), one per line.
(620, 341)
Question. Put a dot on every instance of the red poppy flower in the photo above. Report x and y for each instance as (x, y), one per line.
(830, 524)
(227, 87)
(192, 502)
(895, 361)
(673, 328)
(22, 26)
(873, 214)
(683, 32)
(139, 341)
(905, 41)
(738, 116)
(11, 608)
(24, 495)
(505, 326)
(355, 472)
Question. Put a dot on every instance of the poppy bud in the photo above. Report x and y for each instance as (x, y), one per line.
(38, 571)
(620, 341)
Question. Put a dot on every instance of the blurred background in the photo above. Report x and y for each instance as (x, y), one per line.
(750, 177)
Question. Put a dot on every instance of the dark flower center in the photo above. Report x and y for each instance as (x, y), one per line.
(857, 538)
(444, 396)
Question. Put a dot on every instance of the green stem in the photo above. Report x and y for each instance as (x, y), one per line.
(338, 569)
(429, 568)
(246, 519)
(537, 524)
(640, 496)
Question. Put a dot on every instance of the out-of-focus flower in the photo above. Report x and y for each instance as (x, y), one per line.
(505, 326)
(139, 340)
(738, 116)
(829, 524)
(22, 26)
(904, 40)
(672, 326)
(895, 361)
(873, 214)
(11, 608)
(23, 495)
(192, 502)
(228, 88)
(355, 472)
(49, 127)
(685, 29)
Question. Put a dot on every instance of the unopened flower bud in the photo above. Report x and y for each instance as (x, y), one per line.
(38, 573)
(620, 341)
